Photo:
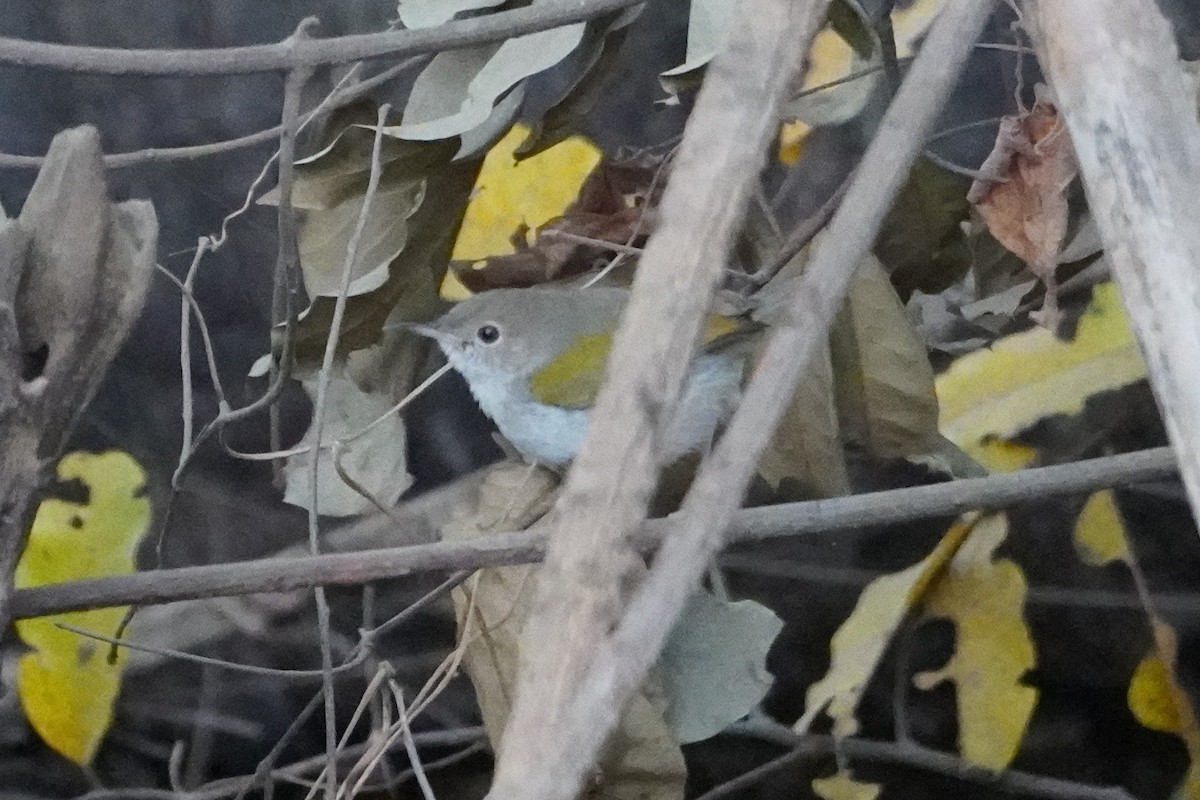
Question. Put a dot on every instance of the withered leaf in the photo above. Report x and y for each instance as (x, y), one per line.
(883, 381)
(612, 207)
(641, 759)
(921, 241)
(1022, 197)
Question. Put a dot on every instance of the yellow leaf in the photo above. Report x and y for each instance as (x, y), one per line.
(792, 136)
(861, 641)
(1160, 703)
(1151, 696)
(66, 686)
(1099, 532)
(509, 194)
(843, 787)
(1156, 698)
(985, 599)
(994, 394)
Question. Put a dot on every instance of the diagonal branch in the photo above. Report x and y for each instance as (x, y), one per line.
(620, 664)
(1133, 123)
(612, 480)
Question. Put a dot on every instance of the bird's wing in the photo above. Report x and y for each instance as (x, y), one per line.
(573, 379)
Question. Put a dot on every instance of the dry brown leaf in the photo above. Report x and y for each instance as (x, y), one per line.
(883, 382)
(612, 207)
(642, 759)
(806, 449)
(1022, 196)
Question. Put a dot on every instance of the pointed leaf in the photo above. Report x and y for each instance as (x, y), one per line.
(883, 381)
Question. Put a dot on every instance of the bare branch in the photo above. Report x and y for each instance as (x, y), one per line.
(613, 477)
(618, 666)
(307, 53)
(525, 547)
(161, 155)
(1133, 123)
(906, 754)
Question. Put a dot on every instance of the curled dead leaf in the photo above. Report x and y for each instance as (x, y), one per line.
(642, 759)
(1022, 195)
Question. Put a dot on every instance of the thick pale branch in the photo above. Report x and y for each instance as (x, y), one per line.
(291, 572)
(621, 663)
(293, 54)
(1116, 72)
(613, 478)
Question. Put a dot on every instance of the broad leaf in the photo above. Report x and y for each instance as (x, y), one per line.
(511, 198)
(861, 641)
(459, 89)
(66, 685)
(921, 242)
(713, 666)
(374, 462)
(989, 396)
(883, 382)
(985, 599)
(642, 759)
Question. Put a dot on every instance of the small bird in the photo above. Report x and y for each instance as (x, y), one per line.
(534, 359)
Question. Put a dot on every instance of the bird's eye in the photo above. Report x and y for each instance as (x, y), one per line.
(488, 334)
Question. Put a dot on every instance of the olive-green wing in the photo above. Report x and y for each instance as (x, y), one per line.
(573, 379)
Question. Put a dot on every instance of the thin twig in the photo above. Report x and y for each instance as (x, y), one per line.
(907, 754)
(338, 98)
(959, 169)
(593, 242)
(410, 746)
(318, 431)
(357, 658)
(526, 547)
(310, 53)
(801, 235)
